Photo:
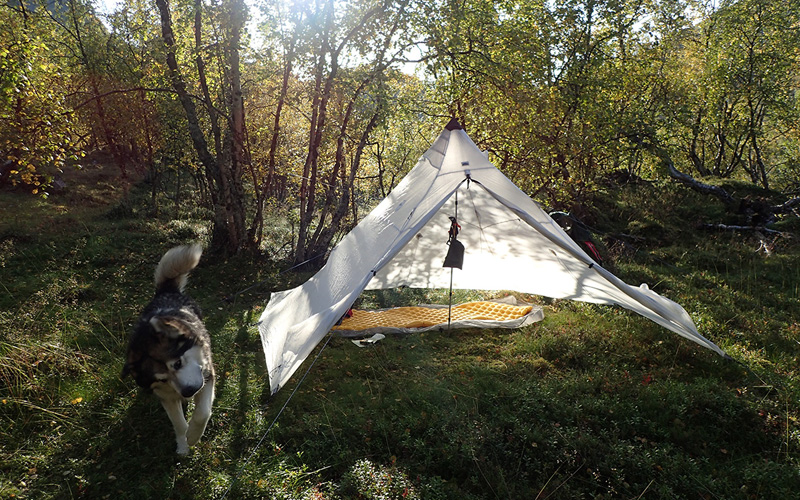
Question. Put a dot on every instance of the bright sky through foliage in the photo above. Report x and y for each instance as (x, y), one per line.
(107, 7)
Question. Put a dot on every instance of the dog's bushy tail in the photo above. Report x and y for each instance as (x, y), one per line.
(174, 267)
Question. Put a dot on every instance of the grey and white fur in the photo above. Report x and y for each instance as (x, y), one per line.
(170, 350)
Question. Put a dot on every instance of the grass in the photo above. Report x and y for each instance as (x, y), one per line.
(593, 402)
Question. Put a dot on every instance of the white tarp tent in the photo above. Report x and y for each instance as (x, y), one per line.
(511, 244)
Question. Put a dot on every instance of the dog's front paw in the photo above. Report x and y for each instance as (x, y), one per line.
(197, 425)
(195, 432)
(183, 446)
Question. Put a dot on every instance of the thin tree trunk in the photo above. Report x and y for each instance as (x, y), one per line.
(267, 188)
(102, 118)
(195, 132)
(756, 120)
(318, 119)
(325, 238)
(236, 188)
(222, 236)
(201, 74)
(309, 180)
(227, 217)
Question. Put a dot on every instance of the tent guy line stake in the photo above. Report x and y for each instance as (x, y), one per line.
(274, 421)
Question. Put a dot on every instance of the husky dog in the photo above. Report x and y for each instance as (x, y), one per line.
(170, 350)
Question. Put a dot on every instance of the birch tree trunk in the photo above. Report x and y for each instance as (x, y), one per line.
(223, 170)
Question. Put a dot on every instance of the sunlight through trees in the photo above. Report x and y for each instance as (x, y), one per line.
(314, 108)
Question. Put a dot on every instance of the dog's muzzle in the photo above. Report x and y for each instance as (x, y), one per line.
(189, 379)
(188, 392)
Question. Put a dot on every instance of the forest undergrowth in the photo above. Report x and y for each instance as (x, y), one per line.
(592, 402)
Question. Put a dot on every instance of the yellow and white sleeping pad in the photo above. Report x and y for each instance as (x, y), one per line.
(481, 314)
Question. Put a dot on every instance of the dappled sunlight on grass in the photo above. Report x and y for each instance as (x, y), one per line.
(592, 402)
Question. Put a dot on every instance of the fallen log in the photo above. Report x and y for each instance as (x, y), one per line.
(700, 186)
(731, 227)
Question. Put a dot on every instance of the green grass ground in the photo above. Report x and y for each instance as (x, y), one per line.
(593, 402)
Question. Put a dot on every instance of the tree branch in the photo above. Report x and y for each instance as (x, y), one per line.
(119, 91)
(787, 207)
(700, 186)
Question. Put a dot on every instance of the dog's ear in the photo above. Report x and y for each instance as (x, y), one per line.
(170, 326)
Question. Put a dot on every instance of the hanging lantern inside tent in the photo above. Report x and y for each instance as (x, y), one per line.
(455, 252)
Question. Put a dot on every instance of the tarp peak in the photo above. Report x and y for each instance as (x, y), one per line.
(453, 124)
